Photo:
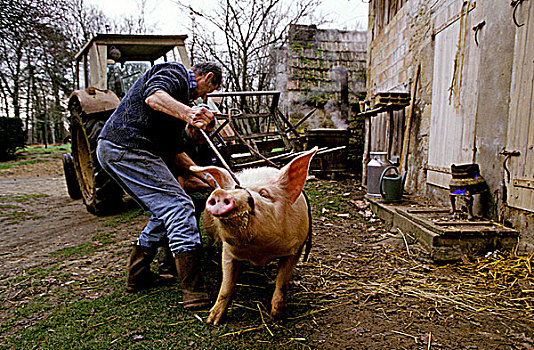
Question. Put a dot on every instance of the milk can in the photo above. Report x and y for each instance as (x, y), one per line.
(375, 167)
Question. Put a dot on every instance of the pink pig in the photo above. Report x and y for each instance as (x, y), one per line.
(264, 218)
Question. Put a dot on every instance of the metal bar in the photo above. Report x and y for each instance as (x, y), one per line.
(279, 126)
(216, 151)
(77, 76)
(288, 123)
(216, 132)
(244, 115)
(286, 156)
(243, 93)
(86, 83)
(252, 150)
(252, 136)
(305, 118)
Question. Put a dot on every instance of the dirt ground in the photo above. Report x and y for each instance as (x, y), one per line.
(367, 287)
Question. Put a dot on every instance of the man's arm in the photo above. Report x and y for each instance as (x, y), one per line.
(183, 161)
(185, 177)
(163, 102)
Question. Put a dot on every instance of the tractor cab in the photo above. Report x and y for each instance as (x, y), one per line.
(104, 69)
(109, 64)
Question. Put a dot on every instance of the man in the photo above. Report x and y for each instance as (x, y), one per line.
(137, 146)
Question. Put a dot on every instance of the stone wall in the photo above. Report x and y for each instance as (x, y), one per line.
(323, 69)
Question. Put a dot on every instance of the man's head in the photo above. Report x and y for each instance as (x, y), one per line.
(209, 78)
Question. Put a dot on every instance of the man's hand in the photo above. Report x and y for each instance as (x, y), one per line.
(161, 101)
(201, 117)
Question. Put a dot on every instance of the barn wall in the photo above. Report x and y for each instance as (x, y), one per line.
(395, 51)
(410, 38)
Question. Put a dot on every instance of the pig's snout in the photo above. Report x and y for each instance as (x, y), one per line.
(220, 202)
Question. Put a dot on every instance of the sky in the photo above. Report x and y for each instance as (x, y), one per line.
(162, 14)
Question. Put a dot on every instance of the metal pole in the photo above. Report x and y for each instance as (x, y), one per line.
(216, 151)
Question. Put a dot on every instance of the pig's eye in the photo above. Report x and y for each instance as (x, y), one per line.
(264, 194)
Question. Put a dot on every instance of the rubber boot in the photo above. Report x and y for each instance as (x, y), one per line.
(166, 264)
(194, 291)
(139, 274)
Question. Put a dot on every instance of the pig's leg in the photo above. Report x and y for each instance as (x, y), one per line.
(278, 303)
(230, 270)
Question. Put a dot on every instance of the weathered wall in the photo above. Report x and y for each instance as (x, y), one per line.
(408, 41)
(494, 95)
(394, 54)
(323, 69)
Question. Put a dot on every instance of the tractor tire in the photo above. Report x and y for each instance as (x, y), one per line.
(101, 194)
(70, 177)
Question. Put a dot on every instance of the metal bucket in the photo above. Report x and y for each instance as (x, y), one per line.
(375, 167)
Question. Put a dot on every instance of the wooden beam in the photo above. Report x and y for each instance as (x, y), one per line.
(408, 124)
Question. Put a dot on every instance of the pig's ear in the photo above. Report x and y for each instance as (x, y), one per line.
(222, 176)
(293, 176)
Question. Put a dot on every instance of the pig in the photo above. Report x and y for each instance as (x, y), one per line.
(264, 218)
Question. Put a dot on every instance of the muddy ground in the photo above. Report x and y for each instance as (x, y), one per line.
(366, 287)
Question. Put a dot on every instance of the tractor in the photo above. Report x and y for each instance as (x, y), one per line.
(105, 68)
(250, 129)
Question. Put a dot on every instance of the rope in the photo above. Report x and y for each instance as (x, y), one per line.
(457, 75)
(216, 151)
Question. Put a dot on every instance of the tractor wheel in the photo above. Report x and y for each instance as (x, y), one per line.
(101, 194)
(70, 177)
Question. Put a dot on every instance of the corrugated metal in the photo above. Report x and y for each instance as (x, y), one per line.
(452, 127)
(521, 122)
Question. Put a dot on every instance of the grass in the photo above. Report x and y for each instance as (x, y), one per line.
(21, 163)
(124, 218)
(59, 306)
(101, 239)
(11, 213)
(99, 242)
(326, 198)
(94, 312)
(148, 320)
(35, 154)
(21, 198)
(77, 250)
(48, 150)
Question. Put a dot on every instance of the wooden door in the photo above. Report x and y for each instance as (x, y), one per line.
(454, 90)
(520, 183)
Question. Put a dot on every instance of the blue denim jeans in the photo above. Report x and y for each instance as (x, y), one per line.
(148, 180)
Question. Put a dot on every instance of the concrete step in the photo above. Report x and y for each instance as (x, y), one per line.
(445, 237)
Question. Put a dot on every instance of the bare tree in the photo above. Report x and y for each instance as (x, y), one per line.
(241, 35)
(38, 40)
(135, 24)
(20, 27)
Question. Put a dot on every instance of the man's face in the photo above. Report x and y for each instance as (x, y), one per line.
(204, 86)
